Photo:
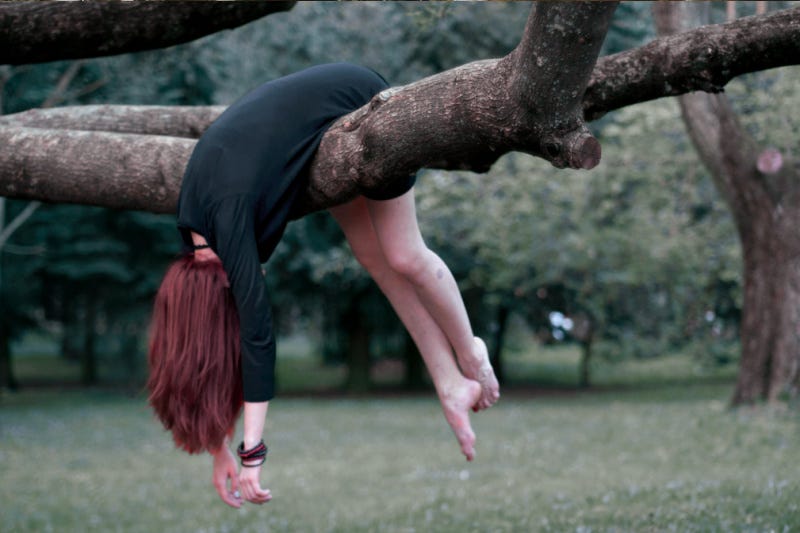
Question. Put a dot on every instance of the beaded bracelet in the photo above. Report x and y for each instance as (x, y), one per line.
(261, 462)
(259, 451)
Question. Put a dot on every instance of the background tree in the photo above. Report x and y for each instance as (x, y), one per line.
(761, 185)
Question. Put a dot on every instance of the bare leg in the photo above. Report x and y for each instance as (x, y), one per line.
(457, 394)
(395, 223)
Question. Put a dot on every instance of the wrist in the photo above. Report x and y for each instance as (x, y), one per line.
(255, 414)
(252, 457)
(251, 441)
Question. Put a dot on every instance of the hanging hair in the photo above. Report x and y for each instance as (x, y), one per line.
(194, 356)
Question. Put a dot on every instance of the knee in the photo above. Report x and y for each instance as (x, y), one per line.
(410, 263)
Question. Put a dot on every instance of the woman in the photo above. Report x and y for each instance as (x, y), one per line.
(212, 348)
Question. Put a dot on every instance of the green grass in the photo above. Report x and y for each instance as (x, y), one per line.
(656, 459)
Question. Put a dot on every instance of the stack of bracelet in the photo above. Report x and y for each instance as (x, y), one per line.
(259, 451)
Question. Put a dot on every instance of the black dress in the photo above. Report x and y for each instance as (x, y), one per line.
(242, 180)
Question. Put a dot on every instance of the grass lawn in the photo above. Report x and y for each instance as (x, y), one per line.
(660, 458)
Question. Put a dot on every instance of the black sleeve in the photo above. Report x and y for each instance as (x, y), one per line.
(235, 243)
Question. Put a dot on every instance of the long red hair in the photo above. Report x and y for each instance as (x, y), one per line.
(194, 355)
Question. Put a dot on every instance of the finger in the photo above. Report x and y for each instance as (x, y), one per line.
(226, 496)
(234, 476)
(262, 496)
(252, 492)
(469, 453)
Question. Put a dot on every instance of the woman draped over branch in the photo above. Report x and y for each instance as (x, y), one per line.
(212, 346)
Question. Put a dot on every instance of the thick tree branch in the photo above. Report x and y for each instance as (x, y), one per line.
(463, 118)
(173, 121)
(722, 143)
(702, 59)
(664, 67)
(115, 170)
(34, 32)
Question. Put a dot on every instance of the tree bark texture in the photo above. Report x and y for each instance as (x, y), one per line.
(73, 166)
(766, 210)
(171, 121)
(461, 111)
(702, 59)
(464, 118)
(35, 32)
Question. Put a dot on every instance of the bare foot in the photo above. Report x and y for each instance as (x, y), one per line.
(480, 369)
(456, 401)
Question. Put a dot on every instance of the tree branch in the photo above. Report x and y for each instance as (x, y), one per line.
(35, 32)
(702, 59)
(664, 67)
(18, 221)
(174, 121)
(723, 144)
(462, 118)
(117, 170)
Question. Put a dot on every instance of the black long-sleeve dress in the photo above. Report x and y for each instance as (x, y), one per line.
(242, 180)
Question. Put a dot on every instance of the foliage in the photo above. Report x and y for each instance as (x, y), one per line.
(640, 245)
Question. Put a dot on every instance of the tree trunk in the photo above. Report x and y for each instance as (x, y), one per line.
(128, 354)
(7, 378)
(770, 331)
(583, 330)
(357, 355)
(762, 190)
(584, 379)
(414, 366)
(496, 357)
(88, 356)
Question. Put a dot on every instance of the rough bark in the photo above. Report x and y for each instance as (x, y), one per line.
(34, 32)
(464, 118)
(703, 59)
(467, 117)
(766, 208)
(171, 121)
(616, 81)
(100, 167)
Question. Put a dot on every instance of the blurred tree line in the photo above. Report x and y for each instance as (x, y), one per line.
(637, 259)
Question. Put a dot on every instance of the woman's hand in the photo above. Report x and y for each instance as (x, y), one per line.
(224, 470)
(249, 476)
(250, 485)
